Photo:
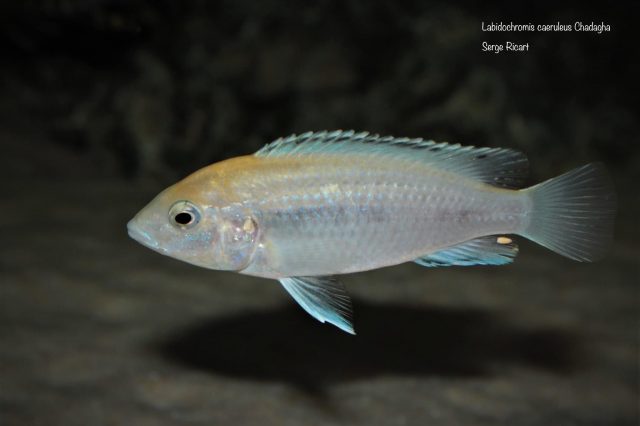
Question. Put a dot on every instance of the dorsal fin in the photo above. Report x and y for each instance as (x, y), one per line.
(494, 166)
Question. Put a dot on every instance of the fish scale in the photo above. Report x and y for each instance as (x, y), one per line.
(325, 231)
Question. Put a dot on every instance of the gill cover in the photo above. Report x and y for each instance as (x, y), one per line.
(239, 238)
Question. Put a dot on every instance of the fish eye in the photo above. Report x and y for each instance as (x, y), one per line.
(184, 214)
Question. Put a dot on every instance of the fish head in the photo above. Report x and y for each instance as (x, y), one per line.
(198, 226)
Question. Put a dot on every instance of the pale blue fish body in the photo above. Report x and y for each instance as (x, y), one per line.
(306, 208)
(346, 213)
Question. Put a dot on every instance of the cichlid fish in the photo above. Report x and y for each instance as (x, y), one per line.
(307, 207)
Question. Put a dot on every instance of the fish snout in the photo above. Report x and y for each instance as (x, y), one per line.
(140, 235)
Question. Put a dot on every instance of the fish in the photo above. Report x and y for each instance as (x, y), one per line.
(309, 207)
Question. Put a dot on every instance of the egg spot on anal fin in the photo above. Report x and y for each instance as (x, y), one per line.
(504, 240)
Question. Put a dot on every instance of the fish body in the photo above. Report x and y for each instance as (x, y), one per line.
(327, 215)
(309, 207)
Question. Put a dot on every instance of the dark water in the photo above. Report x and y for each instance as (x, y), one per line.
(106, 102)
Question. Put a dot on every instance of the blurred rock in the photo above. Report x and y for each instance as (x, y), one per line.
(145, 109)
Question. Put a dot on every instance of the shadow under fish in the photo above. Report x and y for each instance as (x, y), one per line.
(394, 340)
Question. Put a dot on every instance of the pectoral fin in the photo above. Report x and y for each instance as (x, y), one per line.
(325, 298)
(491, 250)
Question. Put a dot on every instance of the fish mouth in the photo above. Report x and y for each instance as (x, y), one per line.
(141, 236)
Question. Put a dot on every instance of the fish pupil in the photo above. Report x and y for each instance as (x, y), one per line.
(183, 218)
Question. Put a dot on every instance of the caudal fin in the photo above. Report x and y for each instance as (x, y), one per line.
(573, 214)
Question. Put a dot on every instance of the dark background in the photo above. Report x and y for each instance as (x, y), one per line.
(103, 103)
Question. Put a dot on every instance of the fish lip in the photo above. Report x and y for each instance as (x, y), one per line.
(141, 236)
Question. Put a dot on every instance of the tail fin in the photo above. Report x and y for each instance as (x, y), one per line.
(573, 214)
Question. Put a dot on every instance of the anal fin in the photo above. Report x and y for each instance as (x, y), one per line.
(324, 298)
(490, 250)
